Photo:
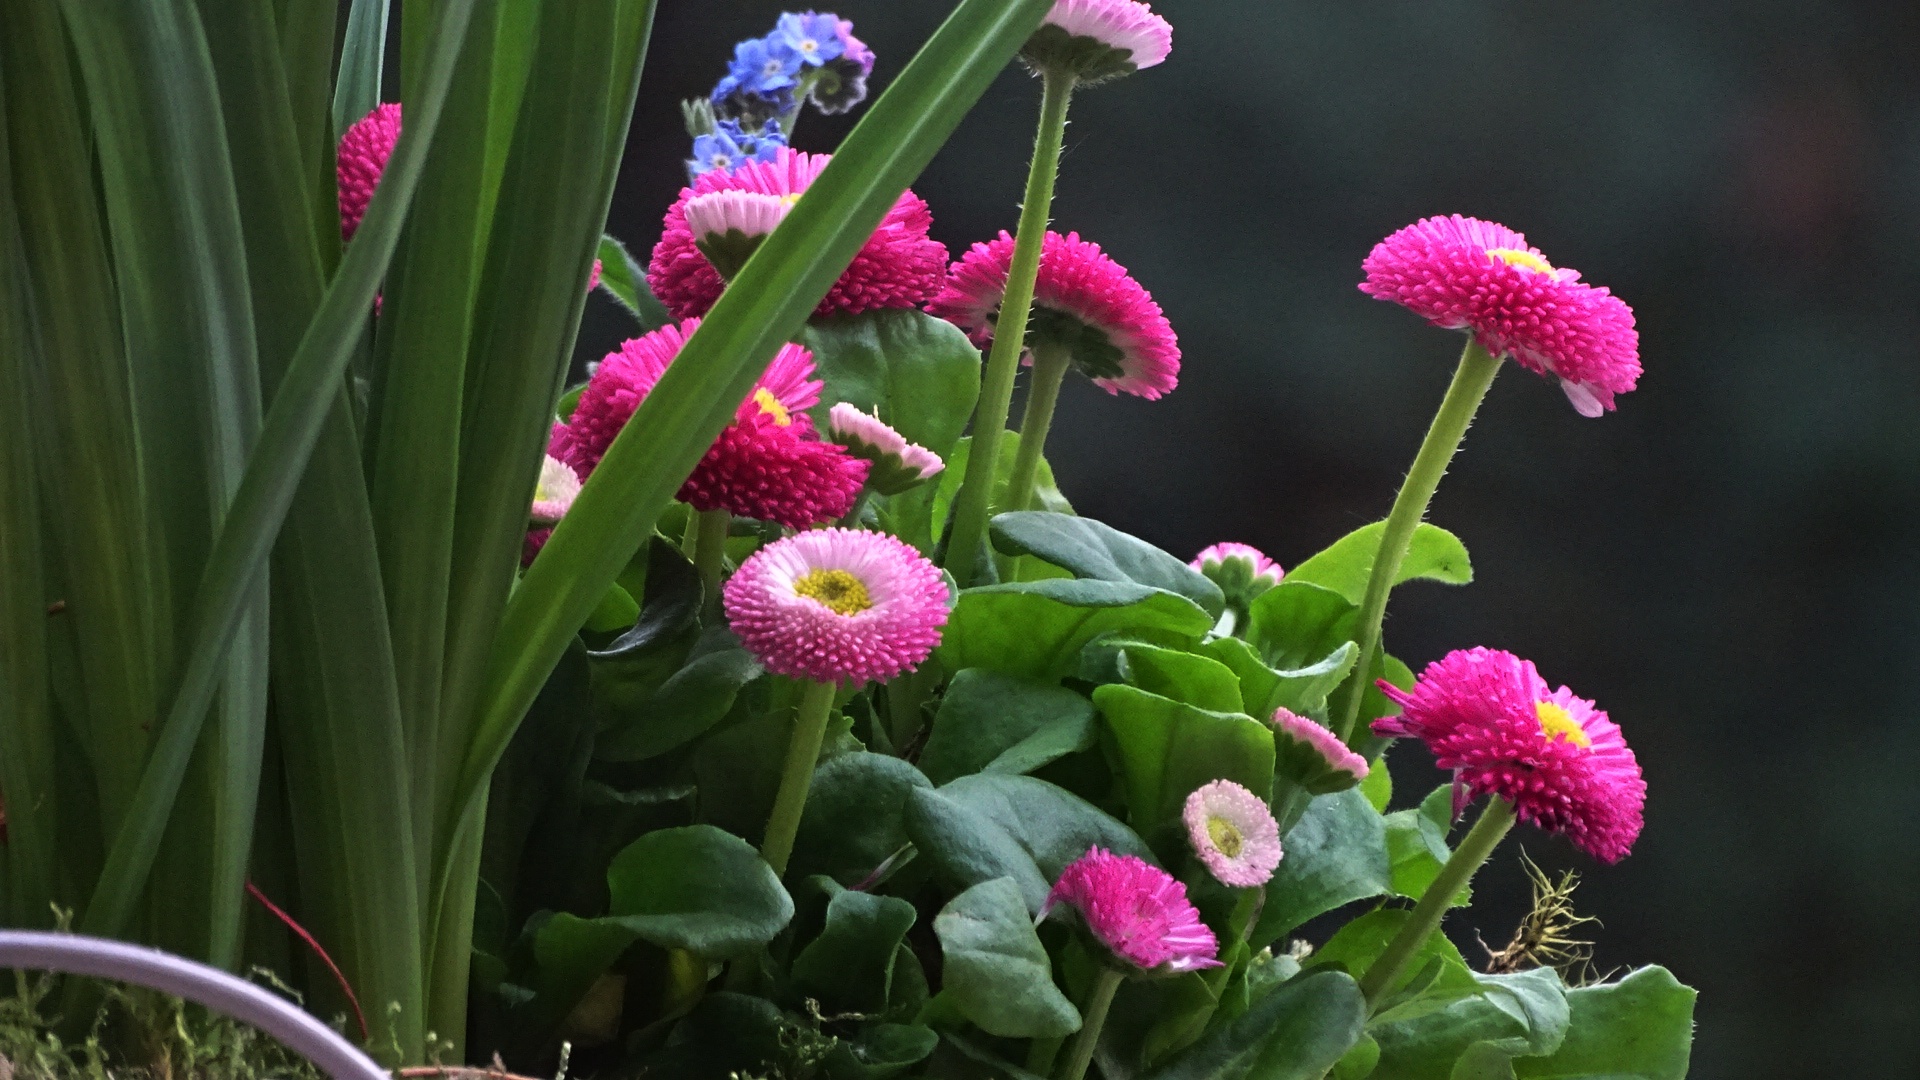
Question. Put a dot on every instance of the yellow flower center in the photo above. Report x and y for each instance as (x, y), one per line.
(1225, 837)
(791, 199)
(1525, 260)
(841, 592)
(1558, 723)
(770, 405)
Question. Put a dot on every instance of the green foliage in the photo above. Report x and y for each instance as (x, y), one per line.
(1335, 855)
(1100, 552)
(997, 974)
(1434, 555)
(1165, 749)
(1036, 629)
(994, 723)
(919, 374)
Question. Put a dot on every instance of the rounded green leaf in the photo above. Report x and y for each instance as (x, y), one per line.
(1298, 1032)
(1166, 749)
(1091, 549)
(699, 889)
(1036, 629)
(920, 373)
(1335, 855)
(855, 816)
(1434, 554)
(849, 967)
(997, 974)
(989, 722)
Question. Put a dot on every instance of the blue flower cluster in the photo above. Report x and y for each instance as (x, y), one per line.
(810, 57)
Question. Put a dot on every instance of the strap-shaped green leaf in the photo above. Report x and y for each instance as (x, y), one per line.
(357, 89)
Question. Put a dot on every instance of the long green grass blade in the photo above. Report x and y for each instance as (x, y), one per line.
(362, 54)
(26, 709)
(301, 407)
(767, 303)
(553, 202)
(100, 552)
(308, 29)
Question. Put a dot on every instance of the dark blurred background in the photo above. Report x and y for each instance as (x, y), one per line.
(1730, 564)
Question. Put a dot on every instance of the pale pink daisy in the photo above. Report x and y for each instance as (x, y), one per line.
(1462, 273)
(727, 226)
(553, 496)
(1083, 302)
(1314, 757)
(1488, 716)
(1100, 39)
(898, 465)
(769, 463)
(360, 160)
(1233, 832)
(1138, 911)
(899, 267)
(838, 605)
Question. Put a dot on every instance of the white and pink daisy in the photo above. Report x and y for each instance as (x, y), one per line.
(1233, 833)
(838, 606)
(1461, 273)
(728, 226)
(1314, 757)
(1083, 303)
(898, 465)
(1097, 40)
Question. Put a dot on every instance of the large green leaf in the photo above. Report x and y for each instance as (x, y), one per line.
(690, 701)
(362, 54)
(1336, 854)
(1476, 1029)
(625, 279)
(699, 889)
(855, 816)
(1301, 690)
(1640, 1027)
(1185, 677)
(997, 974)
(920, 516)
(1165, 749)
(1295, 1033)
(1417, 844)
(849, 966)
(765, 306)
(919, 373)
(1094, 550)
(989, 722)
(1036, 629)
(1434, 554)
(983, 827)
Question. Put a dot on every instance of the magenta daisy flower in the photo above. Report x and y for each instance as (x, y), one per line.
(898, 465)
(1138, 911)
(769, 463)
(1462, 273)
(1314, 757)
(900, 266)
(1083, 302)
(1489, 716)
(361, 158)
(1100, 39)
(1233, 832)
(838, 605)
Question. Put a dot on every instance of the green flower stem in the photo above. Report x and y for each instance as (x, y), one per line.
(1093, 1018)
(710, 547)
(852, 520)
(1050, 364)
(803, 752)
(1470, 381)
(1474, 848)
(1042, 1053)
(1010, 333)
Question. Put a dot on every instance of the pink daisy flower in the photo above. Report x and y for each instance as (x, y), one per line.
(1489, 716)
(728, 226)
(900, 266)
(1314, 757)
(1100, 39)
(1461, 273)
(838, 605)
(1138, 911)
(768, 464)
(362, 157)
(1083, 301)
(898, 465)
(1233, 832)
(553, 496)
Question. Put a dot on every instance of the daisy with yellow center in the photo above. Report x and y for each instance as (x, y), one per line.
(1233, 833)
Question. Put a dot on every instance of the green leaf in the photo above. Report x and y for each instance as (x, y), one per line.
(699, 889)
(920, 515)
(617, 610)
(765, 306)
(849, 967)
(1036, 629)
(1417, 844)
(855, 816)
(1183, 676)
(1640, 1026)
(1475, 1027)
(1378, 787)
(880, 1052)
(920, 373)
(1297, 1032)
(625, 279)
(690, 702)
(1335, 855)
(362, 53)
(1434, 555)
(1296, 624)
(1102, 553)
(1302, 690)
(997, 974)
(983, 827)
(1165, 749)
(989, 722)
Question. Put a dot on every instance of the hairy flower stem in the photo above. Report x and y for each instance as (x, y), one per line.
(803, 752)
(1010, 333)
(1474, 848)
(710, 547)
(852, 520)
(1470, 381)
(1050, 365)
(1093, 1018)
